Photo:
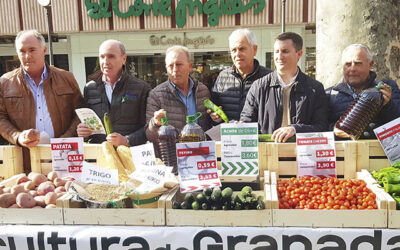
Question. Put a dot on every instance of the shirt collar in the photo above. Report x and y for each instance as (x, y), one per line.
(105, 82)
(191, 84)
(44, 74)
(282, 83)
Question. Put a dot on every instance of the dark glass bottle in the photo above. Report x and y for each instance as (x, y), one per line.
(167, 139)
(361, 112)
(192, 132)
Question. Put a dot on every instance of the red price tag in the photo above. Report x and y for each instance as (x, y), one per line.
(203, 177)
(206, 164)
(325, 153)
(74, 169)
(325, 164)
(72, 158)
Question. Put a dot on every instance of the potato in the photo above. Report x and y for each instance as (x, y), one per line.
(29, 185)
(16, 189)
(50, 198)
(45, 187)
(25, 200)
(35, 207)
(60, 194)
(67, 185)
(51, 206)
(52, 175)
(14, 206)
(58, 182)
(38, 178)
(32, 192)
(7, 200)
(1, 191)
(40, 200)
(22, 179)
(68, 178)
(7, 190)
(60, 190)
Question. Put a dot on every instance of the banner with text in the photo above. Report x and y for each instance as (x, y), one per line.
(197, 165)
(389, 137)
(67, 156)
(316, 154)
(49, 237)
(239, 149)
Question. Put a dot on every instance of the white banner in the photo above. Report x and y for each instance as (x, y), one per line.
(194, 238)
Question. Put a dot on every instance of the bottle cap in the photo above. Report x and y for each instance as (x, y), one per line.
(164, 120)
(193, 118)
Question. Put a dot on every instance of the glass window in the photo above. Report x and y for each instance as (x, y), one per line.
(151, 68)
(9, 63)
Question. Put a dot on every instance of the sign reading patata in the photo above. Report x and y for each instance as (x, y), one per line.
(67, 156)
(389, 137)
(143, 155)
(214, 9)
(316, 155)
(197, 165)
(239, 149)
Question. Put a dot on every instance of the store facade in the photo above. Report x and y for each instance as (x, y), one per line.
(79, 30)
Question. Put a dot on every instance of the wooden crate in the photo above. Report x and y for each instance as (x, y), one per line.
(75, 215)
(377, 218)
(41, 161)
(189, 217)
(370, 155)
(11, 162)
(31, 216)
(281, 157)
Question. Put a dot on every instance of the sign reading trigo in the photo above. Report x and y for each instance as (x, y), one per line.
(213, 8)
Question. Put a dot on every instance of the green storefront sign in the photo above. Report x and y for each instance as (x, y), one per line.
(213, 8)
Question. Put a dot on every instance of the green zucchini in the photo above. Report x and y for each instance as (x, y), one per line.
(107, 124)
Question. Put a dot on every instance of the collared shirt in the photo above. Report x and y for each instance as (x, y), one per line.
(109, 89)
(43, 119)
(189, 100)
(353, 91)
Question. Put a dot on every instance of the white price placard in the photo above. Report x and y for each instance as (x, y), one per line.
(316, 154)
(67, 156)
(152, 175)
(239, 149)
(98, 175)
(389, 137)
(197, 166)
(143, 155)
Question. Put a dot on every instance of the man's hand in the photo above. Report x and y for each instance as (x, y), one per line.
(283, 134)
(83, 130)
(340, 133)
(117, 139)
(157, 117)
(29, 138)
(214, 116)
(386, 91)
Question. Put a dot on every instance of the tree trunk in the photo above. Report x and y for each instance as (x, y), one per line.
(375, 23)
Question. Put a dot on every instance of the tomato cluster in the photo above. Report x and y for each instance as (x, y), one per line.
(327, 193)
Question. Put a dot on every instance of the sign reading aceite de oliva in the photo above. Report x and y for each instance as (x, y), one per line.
(213, 8)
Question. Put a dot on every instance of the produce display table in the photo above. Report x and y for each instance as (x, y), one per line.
(196, 238)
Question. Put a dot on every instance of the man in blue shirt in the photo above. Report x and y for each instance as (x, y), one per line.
(37, 98)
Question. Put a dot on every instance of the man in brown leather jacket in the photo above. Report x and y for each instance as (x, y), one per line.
(37, 98)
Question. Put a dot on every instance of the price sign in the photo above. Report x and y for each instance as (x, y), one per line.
(143, 155)
(316, 155)
(239, 149)
(389, 137)
(98, 175)
(197, 166)
(67, 156)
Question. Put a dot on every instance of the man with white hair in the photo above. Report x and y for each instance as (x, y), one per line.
(178, 97)
(122, 96)
(357, 61)
(37, 98)
(231, 87)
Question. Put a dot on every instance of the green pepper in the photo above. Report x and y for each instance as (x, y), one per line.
(397, 199)
(214, 108)
(396, 165)
(391, 178)
(392, 188)
(107, 124)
